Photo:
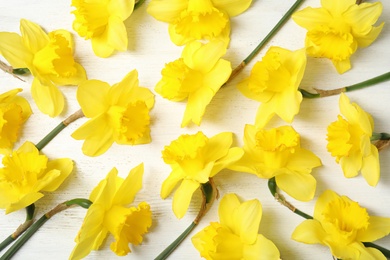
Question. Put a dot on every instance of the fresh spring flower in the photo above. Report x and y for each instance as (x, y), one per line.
(101, 21)
(109, 214)
(338, 28)
(236, 235)
(197, 19)
(49, 58)
(118, 114)
(342, 225)
(349, 141)
(14, 111)
(274, 82)
(26, 173)
(194, 159)
(277, 153)
(196, 76)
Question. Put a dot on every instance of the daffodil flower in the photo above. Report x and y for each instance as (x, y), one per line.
(278, 153)
(343, 225)
(197, 19)
(194, 159)
(274, 82)
(196, 76)
(118, 114)
(14, 111)
(338, 28)
(236, 235)
(49, 58)
(26, 173)
(349, 141)
(109, 214)
(102, 21)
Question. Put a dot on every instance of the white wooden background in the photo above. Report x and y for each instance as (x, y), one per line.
(149, 49)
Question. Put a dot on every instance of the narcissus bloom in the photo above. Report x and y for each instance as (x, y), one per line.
(14, 111)
(197, 19)
(343, 225)
(26, 173)
(278, 153)
(194, 159)
(274, 82)
(49, 57)
(349, 141)
(109, 214)
(101, 21)
(197, 76)
(338, 28)
(236, 235)
(118, 114)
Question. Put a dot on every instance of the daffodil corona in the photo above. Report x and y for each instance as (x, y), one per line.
(349, 141)
(236, 235)
(343, 225)
(26, 173)
(109, 214)
(338, 28)
(118, 114)
(277, 153)
(194, 159)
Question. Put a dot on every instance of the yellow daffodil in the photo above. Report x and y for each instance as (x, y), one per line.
(26, 173)
(102, 21)
(194, 159)
(338, 28)
(342, 225)
(197, 19)
(14, 111)
(109, 214)
(49, 57)
(197, 76)
(349, 141)
(236, 235)
(118, 114)
(277, 153)
(274, 82)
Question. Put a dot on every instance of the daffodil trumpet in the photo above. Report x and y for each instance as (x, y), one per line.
(326, 93)
(209, 194)
(84, 203)
(273, 188)
(274, 30)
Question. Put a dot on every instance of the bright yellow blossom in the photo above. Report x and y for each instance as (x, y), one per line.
(118, 114)
(349, 141)
(236, 235)
(338, 28)
(49, 57)
(277, 153)
(343, 225)
(14, 111)
(197, 19)
(109, 214)
(102, 22)
(274, 82)
(194, 159)
(197, 76)
(26, 173)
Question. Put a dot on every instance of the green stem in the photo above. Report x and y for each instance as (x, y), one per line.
(380, 136)
(385, 252)
(164, 254)
(34, 227)
(265, 40)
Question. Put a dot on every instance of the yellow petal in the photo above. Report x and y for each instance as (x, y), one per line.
(378, 227)
(170, 183)
(34, 38)
(182, 197)
(354, 114)
(232, 7)
(205, 57)
(263, 249)
(23, 202)
(166, 11)
(289, 104)
(371, 167)
(130, 186)
(233, 155)
(196, 106)
(92, 97)
(309, 232)
(64, 166)
(351, 164)
(322, 202)
(117, 34)
(303, 161)
(342, 65)
(14, 51)
(218, 146)
(366, 39)
(264, 114)
(49, 99)
(100, 45)
(105, 186)
(300, 186)
(337, 7)
(74, 79)
(229, 203)
(310, 18)
(121, 8)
